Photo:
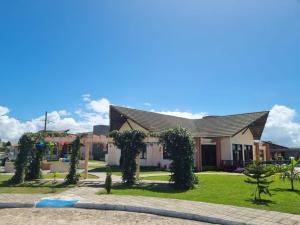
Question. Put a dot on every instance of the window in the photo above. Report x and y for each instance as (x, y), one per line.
(143, 154)
(248, 153)
(237, 153)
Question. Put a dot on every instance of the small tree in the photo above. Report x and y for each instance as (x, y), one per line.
(131, 144)
(290, 172)
(179, 146)
(25, 146)
(257, 175)
(108, 181)
(73, 177)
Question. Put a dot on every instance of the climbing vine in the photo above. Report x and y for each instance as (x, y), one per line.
(25, 146)
(131, 143)
(34, 168)
(73, 177)
(31, 150)
(179, 145)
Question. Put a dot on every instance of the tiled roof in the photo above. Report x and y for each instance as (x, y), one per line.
(211, 126)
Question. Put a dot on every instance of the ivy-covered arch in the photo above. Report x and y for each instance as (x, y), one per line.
(180, 147)
(32, 147)
(131, 143)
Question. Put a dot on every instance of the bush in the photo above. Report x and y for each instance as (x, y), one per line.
(290, 172)
(257, 175)
(21, 163)
(73, 177)
(180, 147)
(131, 144)
(34, 169)
(108, 181)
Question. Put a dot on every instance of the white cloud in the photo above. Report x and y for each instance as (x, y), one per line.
(3, 110)
(281, 127)
(92, 113)
(86, 97)
(100, 106)
(147, 104)
(183, 114)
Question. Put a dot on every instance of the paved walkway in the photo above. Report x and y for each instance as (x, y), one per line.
(83, 217)
(225, 212)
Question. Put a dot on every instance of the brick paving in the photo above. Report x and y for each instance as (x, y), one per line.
(82, 217)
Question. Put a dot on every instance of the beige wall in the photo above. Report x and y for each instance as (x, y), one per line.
(226, 153)
(245, 137)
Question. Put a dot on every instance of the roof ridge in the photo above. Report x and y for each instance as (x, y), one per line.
(208, 116)
(161, 114)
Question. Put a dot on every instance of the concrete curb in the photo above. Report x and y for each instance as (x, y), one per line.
(135, 209)
(5, 205)
(158, 212)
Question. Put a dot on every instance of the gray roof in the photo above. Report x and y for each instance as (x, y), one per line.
(210, 126)
(276, 147)
(101, 130)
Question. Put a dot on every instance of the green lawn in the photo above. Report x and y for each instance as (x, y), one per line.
(117, 170)
(63, 175)
(223, 189)
(36, 187)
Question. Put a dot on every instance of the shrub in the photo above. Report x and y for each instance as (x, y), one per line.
(131, 144)
(25, 145)
(180, 147)
(289, 172)
(34, 169)
(73, 177)
(108, 181)
(257, 175)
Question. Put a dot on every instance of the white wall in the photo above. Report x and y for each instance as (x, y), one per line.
(113, 154)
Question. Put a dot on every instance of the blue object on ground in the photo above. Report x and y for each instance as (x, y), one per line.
(55, 203)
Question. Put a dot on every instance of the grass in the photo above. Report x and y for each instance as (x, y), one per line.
(35, 187)
(117, 170)
(63, 175)
(222, 189)
(96, 161)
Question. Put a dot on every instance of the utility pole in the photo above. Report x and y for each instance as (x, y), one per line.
(46, 118)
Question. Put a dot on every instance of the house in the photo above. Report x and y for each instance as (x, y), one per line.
(282, 153)
(277, 152)
(293, 152)
(220, 141)
(62, 145)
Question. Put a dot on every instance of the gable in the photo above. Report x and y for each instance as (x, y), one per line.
(243, 137)
(131, 125)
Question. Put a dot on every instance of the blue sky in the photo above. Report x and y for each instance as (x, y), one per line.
(213, 56)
